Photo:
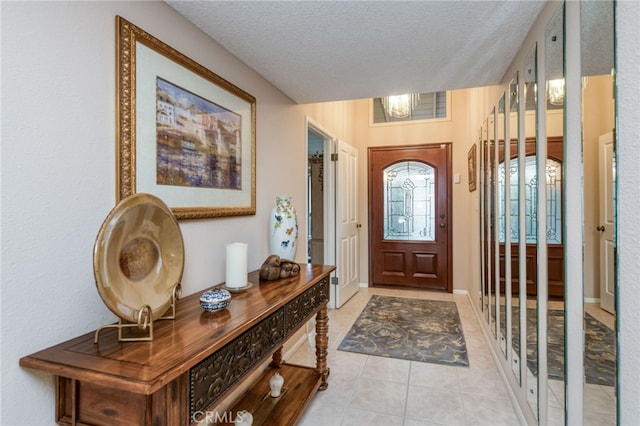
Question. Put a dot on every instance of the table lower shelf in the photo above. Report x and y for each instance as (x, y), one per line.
(301, 384)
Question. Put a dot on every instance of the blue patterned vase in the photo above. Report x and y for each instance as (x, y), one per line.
(283, 229)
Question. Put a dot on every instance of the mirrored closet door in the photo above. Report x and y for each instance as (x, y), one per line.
(554, 125)
(548, 217)
(513, 227)
(598, 146)
(527, 178)
(503, 221)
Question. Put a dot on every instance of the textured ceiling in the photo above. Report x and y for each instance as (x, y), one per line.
(317, 51)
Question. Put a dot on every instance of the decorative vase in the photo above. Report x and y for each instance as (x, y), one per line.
(275, 383)
(244, 418)
(283, 229)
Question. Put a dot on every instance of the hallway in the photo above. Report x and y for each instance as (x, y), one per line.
(384, 391)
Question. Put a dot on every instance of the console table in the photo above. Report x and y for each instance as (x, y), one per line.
(195, 360)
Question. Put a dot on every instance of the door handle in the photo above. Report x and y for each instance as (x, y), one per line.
(443, 225)
(600, 228)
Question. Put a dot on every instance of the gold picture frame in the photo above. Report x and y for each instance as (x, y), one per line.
(472, 164)
(184, 134)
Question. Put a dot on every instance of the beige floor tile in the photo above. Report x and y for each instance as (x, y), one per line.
(596, 400)
(318, 414)
(595, 419)
(388, 369)
(441, 377)
(413, 422)
(347, 364)
(555, 416)
(355, 417)
(379, 396)
(611, 391)
(339, 393)
(435, 406)
(488, 411)
(482, 381)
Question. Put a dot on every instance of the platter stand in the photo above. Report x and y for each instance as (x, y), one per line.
(145, 323)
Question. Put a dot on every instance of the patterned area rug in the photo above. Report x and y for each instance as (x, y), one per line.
(599, 354)
(411, 329)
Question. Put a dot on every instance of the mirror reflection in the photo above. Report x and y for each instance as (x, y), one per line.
(486, 241)
(554, 93)
(598, 130)
(527, 194)
(503, 220)
(491, 195)
(513, 227)
(481, 188)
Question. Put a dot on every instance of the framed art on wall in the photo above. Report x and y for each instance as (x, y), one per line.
(184, 133)
(472, 161)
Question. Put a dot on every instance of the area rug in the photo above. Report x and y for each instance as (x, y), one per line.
(411, 329)
(599, 354)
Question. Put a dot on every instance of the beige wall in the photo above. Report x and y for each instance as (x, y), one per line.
(598, 119)
(349, 121)
(455, 130)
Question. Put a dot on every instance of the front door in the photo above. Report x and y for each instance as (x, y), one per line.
(409, 216)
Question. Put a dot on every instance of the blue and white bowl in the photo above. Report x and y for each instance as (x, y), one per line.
(215, 300)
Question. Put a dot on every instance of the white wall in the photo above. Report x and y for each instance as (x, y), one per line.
(58, 174)
(628, 129)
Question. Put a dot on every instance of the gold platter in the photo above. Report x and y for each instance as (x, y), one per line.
(138, 257)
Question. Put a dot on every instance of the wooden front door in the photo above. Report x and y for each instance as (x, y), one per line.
(409, 216)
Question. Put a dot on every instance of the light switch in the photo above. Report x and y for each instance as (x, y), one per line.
(456, 178)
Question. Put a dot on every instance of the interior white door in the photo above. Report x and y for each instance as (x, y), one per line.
(606, 223)
(347, 243)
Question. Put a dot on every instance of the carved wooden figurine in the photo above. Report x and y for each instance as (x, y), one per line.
(275, 268)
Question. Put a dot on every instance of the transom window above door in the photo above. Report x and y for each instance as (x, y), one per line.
(409, 204)
(410, 107)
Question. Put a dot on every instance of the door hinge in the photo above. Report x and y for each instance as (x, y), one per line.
(334, 156)
(334, 280)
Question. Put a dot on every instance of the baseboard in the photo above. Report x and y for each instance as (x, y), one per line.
(455, 290)
(591, 300)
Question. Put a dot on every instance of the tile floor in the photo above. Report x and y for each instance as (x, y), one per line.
(369, 390)
(599, 401)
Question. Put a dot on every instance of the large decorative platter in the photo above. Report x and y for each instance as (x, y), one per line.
(138, 257)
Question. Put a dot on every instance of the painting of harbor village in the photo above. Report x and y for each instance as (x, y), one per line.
(198, 143)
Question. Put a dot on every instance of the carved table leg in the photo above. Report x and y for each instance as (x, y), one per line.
(322, 343)
(276, 359)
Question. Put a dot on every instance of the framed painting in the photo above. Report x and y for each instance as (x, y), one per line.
(472, 165)
(184, 134)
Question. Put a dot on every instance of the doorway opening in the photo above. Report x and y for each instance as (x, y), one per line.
(332, 202)
(315, 199)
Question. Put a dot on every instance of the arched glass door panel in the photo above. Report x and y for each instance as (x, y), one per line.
(409, 204)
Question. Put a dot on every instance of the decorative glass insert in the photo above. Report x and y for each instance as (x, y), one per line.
(554, 205)
(409, 201)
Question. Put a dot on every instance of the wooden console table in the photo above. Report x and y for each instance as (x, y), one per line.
(196, 360)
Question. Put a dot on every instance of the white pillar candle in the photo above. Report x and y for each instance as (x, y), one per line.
(236, 265)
